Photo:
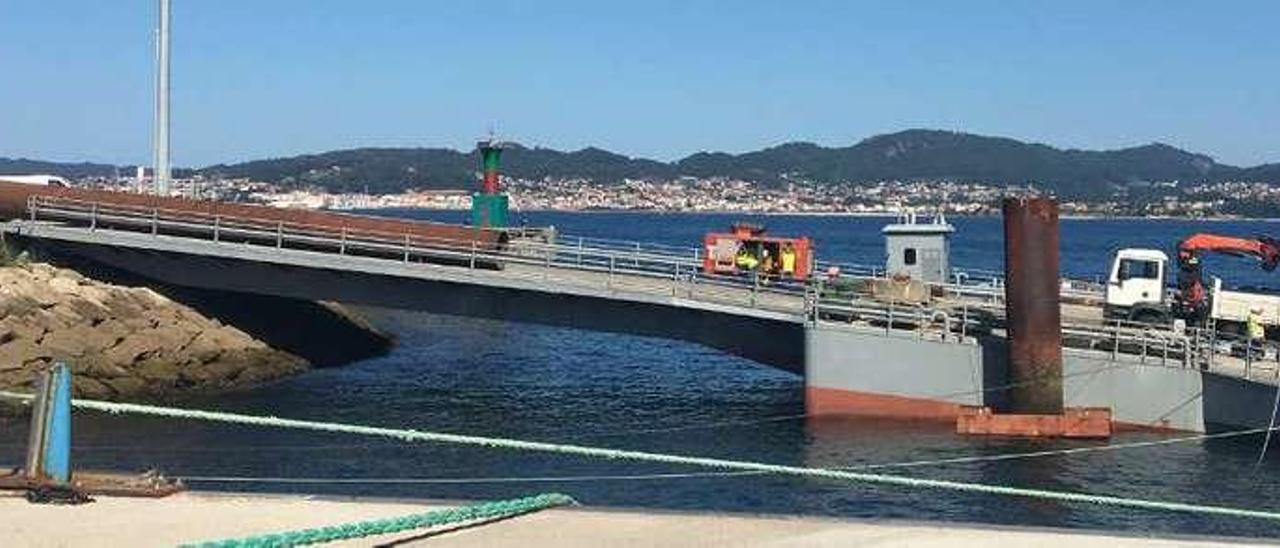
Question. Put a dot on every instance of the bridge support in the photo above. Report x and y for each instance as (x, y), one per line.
(1034, 325)
(1032, 307)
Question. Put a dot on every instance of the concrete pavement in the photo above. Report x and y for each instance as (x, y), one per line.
(193, 517)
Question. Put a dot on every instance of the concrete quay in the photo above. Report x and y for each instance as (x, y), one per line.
(196, 517)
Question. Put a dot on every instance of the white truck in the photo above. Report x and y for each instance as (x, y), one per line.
(1137, 290)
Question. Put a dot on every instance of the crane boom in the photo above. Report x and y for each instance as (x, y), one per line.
(1193, 296)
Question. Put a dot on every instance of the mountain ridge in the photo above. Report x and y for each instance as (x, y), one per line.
(913, 154)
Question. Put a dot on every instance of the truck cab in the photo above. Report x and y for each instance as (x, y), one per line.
(1135, 285)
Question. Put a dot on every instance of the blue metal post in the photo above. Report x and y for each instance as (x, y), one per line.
(51, 445)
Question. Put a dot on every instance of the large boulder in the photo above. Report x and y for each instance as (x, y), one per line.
(20, 327)
(122, 342)
(17, 353)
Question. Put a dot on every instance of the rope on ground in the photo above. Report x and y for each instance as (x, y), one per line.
(642, 456)
(488, 511)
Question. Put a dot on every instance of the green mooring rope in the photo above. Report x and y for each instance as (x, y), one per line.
(486, 511)
(722, 464)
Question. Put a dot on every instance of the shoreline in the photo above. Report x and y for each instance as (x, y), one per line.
(850, 214)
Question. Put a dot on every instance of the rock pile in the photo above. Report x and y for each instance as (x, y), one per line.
(122, 342)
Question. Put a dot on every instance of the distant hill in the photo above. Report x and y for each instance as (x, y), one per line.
(926, 154)
(907, 155)
(21, 166)
(384, 170)
(1264, 173)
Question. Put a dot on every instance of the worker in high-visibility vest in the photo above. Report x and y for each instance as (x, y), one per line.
(1253, 325)
(746, 260)
(1256, 333)
(788, 260)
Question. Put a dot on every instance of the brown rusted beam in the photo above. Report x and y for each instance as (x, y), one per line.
(1034, 319)
(14, 200)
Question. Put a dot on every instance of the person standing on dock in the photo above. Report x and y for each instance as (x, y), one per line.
(1255, 330)
(788, 260)
(746, 260)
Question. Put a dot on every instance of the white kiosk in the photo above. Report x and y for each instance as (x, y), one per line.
(918, 250)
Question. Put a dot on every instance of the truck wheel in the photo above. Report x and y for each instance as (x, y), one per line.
(1148, 317)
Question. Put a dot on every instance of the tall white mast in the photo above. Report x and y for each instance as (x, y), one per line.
(161, 175)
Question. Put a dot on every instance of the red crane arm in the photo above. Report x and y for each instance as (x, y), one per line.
(1266, 250)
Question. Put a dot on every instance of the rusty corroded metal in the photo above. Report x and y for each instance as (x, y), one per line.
(1031, 305)
(1077, 422)
(15, 199)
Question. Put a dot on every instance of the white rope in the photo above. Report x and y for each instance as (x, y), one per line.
(723, 464)
(473, 480)
(1262, 455)
(689, 475)
(780, 418)
(1061, 452)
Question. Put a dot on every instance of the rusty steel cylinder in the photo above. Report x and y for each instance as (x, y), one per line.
(1034, 317)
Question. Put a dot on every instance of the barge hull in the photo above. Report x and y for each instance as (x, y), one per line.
(863, 372)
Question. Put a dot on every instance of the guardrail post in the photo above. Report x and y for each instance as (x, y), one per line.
(964, 320)
(406, 248)
(888, 326)
(155, 221)
(280, 235)
(342, 243)
(1115, 343)
(1187, 344)
(93, 217)
(675, 280)
(755, 287)
(217, 225)
(1213, 349)
(635, 256)
(609, 283)
(474, 249)
(1248, 357)
(579, 250)
(919, 323)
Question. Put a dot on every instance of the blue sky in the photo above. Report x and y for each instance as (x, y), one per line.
(264, 78)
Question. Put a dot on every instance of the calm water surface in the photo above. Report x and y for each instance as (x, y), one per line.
(554, 384)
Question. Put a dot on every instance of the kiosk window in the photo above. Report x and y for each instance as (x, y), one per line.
(909, 256)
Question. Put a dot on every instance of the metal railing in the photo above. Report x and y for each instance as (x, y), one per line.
(954, 322)
(1198, 348)
(963, 312)
(582, 262)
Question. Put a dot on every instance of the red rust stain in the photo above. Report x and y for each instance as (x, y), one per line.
(832, 401)
(1075, 422)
